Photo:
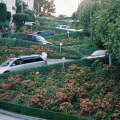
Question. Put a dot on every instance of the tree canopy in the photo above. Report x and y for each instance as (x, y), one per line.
(19, 6)
(105, 26)
(3, 12)
(84, 12)
(102, 19)
(48, 7)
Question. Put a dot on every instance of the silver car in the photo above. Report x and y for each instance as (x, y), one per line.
(97, 54)
(23, 62)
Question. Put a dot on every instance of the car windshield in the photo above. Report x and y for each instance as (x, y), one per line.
(7, 62)
(98, 53)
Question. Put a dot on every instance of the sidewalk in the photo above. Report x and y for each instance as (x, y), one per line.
(6, 115)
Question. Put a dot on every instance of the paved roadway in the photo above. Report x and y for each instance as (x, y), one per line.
(5, 115)
(55, 61)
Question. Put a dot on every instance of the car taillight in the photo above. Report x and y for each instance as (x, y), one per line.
(46, 61)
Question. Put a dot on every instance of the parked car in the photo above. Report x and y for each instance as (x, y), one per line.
(6, 34)
(23, 62)
(68, 28)
(30, 23)
(63, 27)
(34, 38)
(70, 20)
(45, 33)
(97, 54)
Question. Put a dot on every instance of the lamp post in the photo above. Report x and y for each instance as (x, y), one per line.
(41, 10)
(63, 60)
(31, 26)
(68, 34)
(60, 47)
(22, 6)
(38, 7)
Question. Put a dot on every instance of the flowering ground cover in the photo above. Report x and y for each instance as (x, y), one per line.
(5, 51)
(68, 42)
(83, 91)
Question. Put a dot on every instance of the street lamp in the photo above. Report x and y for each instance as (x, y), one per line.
(68, 34)
(22, 6)
(60, 47)
(63, 60)
(38, 7)
(41, 11)
(31, 26)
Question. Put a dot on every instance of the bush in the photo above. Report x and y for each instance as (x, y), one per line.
(3, 12)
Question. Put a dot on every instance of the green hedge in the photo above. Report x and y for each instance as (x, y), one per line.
(3, 12)
(65, 35)
(22, 43)
(42, 28)
(37, 112)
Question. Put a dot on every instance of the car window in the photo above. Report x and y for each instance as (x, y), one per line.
(7, 62)
(98, 53)
(38, 59)
(33, 38)
(16, 62)
(27, 60)
(29, 36)
(63, 27)
(38, 32)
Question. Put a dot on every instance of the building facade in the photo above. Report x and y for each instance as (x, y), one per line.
(10, 4)
(30, 4)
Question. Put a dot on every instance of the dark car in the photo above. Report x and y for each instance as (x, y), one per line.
(6, 34)
(34, 38)
(45, 33)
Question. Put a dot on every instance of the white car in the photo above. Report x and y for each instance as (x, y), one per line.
(97, 54)
(68, 28)
(30, 23)
(23, 62)
(65, 27)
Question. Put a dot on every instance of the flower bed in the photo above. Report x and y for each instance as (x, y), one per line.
(34, 49)
(77, 90)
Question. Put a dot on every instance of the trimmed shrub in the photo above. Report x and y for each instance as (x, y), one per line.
(3, 12)
(8, 15)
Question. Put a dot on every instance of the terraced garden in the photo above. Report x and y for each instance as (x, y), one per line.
(81, 91)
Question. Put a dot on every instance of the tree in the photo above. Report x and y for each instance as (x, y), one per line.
(8, 15)
(105, 27)
(19, 6)
(30, 14)
(19, 19)
(48, 7)
(85, 12)
(5, 16)
(3, 12)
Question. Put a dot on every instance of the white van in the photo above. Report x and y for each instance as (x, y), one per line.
(23, 62)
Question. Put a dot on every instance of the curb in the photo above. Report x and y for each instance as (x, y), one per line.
(24, 117)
